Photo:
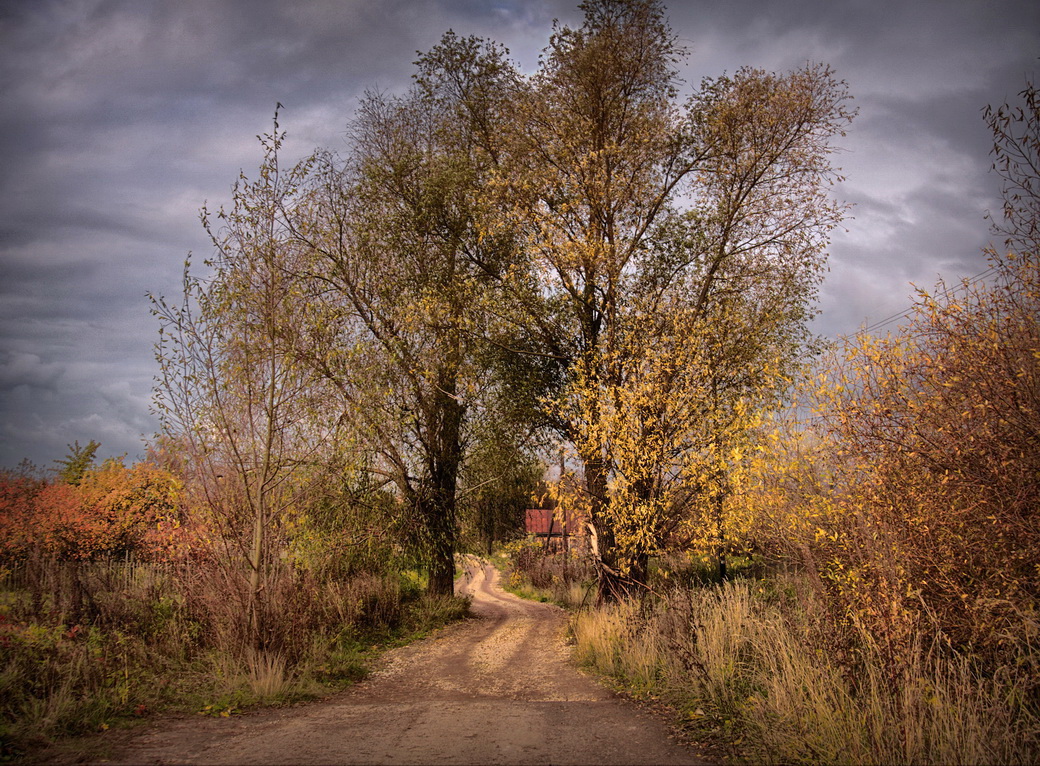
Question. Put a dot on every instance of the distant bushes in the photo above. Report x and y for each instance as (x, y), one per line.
(565, 577)
(111, 510)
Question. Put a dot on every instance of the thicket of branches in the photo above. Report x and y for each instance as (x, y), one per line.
(500, 266)
(912, 493)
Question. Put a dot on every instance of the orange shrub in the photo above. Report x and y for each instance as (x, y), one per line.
(113, 510)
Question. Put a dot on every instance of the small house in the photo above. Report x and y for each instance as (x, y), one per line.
(557, 529)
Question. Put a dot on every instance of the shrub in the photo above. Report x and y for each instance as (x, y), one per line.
(565, 577)
(160, 635)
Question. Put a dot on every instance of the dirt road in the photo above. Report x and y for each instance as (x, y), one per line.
(498, 689)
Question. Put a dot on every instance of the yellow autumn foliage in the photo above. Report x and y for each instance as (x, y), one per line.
(912, 489)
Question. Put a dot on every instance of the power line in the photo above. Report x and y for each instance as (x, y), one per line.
(906, 312)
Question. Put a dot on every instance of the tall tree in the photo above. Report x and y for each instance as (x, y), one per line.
(396, 239)
(651, 227)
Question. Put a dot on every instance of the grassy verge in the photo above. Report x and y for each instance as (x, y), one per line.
(148, 648)
(746, 665)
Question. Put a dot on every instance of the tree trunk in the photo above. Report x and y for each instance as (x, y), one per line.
(721, 532)
(256, 621)
(444, 473)
(617, 579)
(442, 576)
(603, 547)
(440, 526)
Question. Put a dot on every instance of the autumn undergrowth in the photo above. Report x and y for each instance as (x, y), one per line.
(751, 664)
(530, 571)
(165, 641)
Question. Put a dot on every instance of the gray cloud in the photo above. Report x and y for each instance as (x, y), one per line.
(121, 117)
(21, 369)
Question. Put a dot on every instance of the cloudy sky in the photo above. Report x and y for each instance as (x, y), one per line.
(120, 118)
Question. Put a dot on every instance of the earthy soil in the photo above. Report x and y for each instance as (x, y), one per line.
(500, 688)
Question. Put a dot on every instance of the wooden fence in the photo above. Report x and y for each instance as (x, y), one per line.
(115, 574)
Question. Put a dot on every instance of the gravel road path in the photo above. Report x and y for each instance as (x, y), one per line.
(499, 689)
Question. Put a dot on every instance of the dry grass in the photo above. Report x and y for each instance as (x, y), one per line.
(609, 639)
(266, 675)
(744, 668)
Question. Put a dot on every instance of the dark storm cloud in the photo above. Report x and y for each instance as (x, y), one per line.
(122, 117)
(21, 369)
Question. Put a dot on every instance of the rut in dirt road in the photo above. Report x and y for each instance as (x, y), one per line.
(499, 689)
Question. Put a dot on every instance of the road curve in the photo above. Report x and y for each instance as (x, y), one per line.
(499, 689)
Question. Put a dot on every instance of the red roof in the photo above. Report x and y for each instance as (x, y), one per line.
(539, 520)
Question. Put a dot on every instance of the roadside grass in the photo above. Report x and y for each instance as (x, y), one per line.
(571, 595)
(533, 573)
(141, 651)
(746, 664)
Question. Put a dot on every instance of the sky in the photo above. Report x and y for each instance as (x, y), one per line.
(121, 118)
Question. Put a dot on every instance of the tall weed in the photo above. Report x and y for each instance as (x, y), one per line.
(267, 674)
(745, 662)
